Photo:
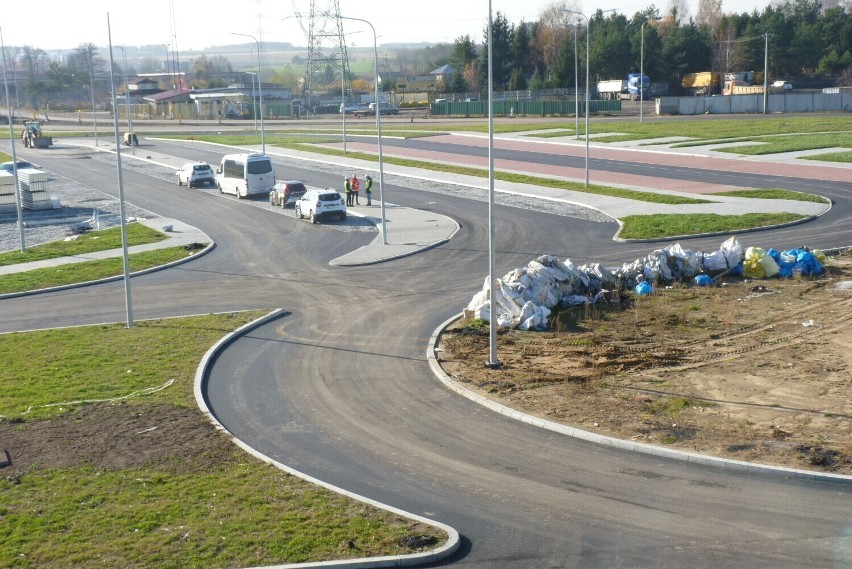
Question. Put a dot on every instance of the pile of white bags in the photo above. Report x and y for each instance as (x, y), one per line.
(526, 295)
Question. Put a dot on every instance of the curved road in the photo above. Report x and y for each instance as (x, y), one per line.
(339, 388)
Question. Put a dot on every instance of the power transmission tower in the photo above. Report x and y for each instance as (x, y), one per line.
(328, 62)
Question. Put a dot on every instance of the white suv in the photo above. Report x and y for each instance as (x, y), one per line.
(196, 173)
(317, 204)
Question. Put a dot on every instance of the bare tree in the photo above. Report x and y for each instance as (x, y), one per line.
(709, 14)
(553, 25)
(679, 11)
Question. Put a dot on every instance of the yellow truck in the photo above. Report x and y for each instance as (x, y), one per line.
(702, 83)
(741, 88)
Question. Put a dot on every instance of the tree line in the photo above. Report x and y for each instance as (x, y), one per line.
(806, 38)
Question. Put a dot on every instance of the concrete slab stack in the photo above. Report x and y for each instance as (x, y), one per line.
(34, 194)
(7, 192)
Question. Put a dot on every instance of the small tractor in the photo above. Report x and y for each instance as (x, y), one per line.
(33, 136)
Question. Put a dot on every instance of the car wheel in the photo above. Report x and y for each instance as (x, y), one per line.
(313, 217)
(298, 212)
(342, 216)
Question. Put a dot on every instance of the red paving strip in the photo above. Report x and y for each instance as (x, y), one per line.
(792, 168)
(546, 170)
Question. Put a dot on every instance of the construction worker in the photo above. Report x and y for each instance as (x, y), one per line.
(368, 187)
(347, 187)
(356, 184)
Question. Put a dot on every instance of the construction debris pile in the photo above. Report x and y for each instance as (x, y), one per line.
(525, 296)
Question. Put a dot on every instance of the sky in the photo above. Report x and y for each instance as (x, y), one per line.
(199, 24)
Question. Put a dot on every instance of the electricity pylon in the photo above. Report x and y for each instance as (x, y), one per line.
(328, 62)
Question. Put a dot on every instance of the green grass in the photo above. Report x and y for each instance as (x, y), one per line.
(844, 157)
(103, 240)
(240, 513)
(776, 194)
(88, 270)
(675, 225)
(791, 143)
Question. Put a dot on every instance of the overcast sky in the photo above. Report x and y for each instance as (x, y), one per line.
(197, 24)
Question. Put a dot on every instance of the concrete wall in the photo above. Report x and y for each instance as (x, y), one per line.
(808, 102)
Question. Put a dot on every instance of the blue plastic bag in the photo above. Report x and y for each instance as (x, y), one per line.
(644, 289)
(704, 280)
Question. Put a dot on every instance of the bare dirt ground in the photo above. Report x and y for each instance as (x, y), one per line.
(751, 370)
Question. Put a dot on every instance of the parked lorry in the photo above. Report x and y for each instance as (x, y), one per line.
(33, 137)
(630, 88)
(702, 83)
(745, 88)
(736, 87)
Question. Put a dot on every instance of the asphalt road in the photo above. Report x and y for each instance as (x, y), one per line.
(339, 388)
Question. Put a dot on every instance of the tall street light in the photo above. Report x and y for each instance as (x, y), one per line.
(642, 69)
(378, 123)
(259, 88)
(14, 156)
(122, 212)
(492, 361)
(587, 89)
(576, 90)
(253, 112)
(92, 88)
(127, 102)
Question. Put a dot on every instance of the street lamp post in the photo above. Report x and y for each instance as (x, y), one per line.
(92, 88)
(642, 70)
(765, 70)
(127, 103)
(576, 88)
(378, 123)
(492, 362)
(14, 155)
(253, 112)
(121, 208)
(259, 88)
(587, 89)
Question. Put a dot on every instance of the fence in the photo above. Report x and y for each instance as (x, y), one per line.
(806, 102)
(519, 108)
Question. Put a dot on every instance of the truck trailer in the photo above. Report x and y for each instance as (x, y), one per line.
(630, 88)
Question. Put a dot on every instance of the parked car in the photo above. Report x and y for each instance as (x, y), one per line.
(286, 193)
(384, 109)
(318, 204)
(7, 166)
(350, 108)
(195, 174)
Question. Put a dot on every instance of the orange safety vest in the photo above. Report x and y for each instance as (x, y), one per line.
(355, 184)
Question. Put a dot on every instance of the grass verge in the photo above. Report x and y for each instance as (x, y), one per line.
(89, 270)
(200, 502)
(774, 194)
(844, 157)
(103, 240)
(675, 225)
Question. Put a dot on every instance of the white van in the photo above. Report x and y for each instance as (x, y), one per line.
(245, 174)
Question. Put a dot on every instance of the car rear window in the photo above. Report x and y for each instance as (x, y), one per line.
(201, 168)
(296, 188)
(330, 197)
(259, 166)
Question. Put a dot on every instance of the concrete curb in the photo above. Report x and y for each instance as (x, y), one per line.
(453, 541)
(622, 444)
